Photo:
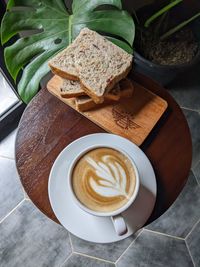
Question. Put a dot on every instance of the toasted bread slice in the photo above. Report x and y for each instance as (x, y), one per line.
(71, 89)
(63, 64)
(85, 103)
(95, 61)
(100, 64)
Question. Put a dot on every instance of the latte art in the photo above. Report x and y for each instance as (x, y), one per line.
(103, 179)
(112, 177)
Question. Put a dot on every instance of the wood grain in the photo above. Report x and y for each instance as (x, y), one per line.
(48, 125)
(132, 118)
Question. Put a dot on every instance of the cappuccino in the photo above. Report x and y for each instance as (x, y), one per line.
(103, 179)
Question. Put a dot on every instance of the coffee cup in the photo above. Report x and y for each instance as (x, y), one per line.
(104, 181)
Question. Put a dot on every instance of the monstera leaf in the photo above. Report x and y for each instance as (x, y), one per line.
(53, 28)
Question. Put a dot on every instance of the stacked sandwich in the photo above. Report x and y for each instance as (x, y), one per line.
(93, 71)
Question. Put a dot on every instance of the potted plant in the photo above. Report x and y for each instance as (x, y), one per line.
(48, 27)
(167, 40)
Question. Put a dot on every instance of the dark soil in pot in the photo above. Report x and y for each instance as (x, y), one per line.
(181, 48)
(160, 59)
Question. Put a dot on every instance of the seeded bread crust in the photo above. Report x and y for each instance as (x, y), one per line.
(71, 89)
(63, 74)
(100, 99)
(85, 103)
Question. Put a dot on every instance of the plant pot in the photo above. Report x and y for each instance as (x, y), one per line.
(164, 74)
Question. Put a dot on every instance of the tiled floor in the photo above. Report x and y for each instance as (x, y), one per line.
(29, 239)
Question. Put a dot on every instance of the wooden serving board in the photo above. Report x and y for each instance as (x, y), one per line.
(132, 118)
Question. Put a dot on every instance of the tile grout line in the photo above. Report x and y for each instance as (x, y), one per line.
(192, 229)
(189, 109)
(160, 233)
(190, 254)
(12, 210)
(70, 241)
(196, 179)
(25, 194)
(6, 157)
(192, 168)
(66, 259)
(128, 247)
(92, 257)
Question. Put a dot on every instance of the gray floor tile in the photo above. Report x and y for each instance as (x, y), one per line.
(7, 145)
(193, 119)
(193, 242)
(28, 238)
(153, 250)
(109, 252)
(11, 192)
(80, 261)
(179, 219)
(196, 171)
(186, 90)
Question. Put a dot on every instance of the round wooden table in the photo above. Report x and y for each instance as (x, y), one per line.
(48, 125)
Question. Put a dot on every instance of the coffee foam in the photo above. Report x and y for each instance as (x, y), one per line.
(112, 182)
(103, 179)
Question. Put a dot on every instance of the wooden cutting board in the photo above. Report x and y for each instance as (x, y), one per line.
(132, 118)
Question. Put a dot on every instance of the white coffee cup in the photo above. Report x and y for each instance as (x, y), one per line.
(116, 216)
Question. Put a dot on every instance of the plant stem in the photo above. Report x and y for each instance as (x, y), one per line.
(179, 27)
(70, 28)
(160, 23)
(160, 12)
(136, 17)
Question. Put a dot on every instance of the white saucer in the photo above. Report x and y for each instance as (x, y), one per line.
(89, 227)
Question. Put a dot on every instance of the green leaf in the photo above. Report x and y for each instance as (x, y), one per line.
(85, 5)
(36, 69)
(54, 29)
(106, 21)
(121, 44)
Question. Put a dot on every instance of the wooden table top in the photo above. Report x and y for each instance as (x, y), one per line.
(48, 126)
